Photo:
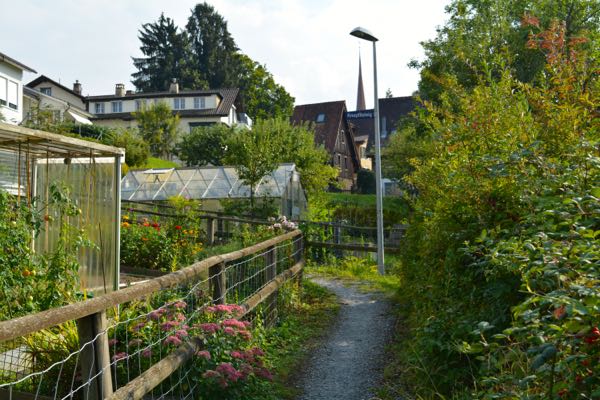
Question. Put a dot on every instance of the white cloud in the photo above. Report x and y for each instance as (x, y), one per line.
(304, 43)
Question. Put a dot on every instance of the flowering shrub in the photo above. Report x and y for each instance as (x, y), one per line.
(156, 245)
(230, 364)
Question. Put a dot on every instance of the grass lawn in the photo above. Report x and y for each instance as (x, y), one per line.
(154, 162)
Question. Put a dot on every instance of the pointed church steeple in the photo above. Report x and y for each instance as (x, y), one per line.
(360, 96)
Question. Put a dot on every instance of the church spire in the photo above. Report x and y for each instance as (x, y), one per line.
(360, 96)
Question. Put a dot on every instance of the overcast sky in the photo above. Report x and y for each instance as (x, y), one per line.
(305, 44)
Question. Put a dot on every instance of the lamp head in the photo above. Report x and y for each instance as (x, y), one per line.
(364, 34)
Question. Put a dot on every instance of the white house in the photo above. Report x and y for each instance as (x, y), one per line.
(194, 107)
(11, 88)
(48, 95)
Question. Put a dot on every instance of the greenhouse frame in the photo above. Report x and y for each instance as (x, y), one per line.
(213, 184)
(32, 162)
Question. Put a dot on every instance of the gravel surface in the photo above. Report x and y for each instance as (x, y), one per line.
(349, 364)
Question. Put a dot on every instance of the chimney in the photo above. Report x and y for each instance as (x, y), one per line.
(120, 90)
(77, 87)
(174, 86)
(129, 92)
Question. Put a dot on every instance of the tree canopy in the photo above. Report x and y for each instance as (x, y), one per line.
(205, 145)
(158, 126)
(204, 55)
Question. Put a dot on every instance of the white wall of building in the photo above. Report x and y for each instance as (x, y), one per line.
(131, 105)
(11, 92)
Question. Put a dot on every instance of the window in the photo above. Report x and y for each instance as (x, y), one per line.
(140, 105)
(320, 118)
(339, 160)
(3, 83)
(117, 106)
(179, 104)
(99, 107)
(12, 95)
(342, 136)
(46, 90)
(199, 103)
(345, 162)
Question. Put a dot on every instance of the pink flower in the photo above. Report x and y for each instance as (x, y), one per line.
(211, 374)
(245, 335)
(120, 356)
(211, 309)
(155, 315)
(209, 327)
(147, 352)
(263, 373)
(204, 354)
(169, 325)
(113, 342)
(228, 331)
(174, 340)
(247, 324)
(181, 333)
(257, 351)
(234, 323)
(228, 370)
(237, 354)
(138, 327)
(180, 304)
(135, 342)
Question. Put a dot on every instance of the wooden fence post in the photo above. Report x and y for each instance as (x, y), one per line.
(299, 256)
(218, 283)
(95, 356)
(210, 231)
(270, 274)
(337, 238)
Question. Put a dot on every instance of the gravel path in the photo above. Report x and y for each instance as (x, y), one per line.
(349, 364)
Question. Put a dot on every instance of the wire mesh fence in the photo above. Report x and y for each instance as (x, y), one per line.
(91, 349)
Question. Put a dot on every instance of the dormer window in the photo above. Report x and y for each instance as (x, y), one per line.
(199, 103)
(117, 106)
(46, 91)
(320, 118)
(99, 108)
(179, 103)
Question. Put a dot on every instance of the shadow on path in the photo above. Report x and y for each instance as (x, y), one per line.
(349, 364)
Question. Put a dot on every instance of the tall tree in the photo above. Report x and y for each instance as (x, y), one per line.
(213, 46)
(205, 55)
(483, 38)
(260, 96)
(167, 56)
(158, 126)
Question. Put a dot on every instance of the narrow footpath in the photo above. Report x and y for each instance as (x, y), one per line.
(349, 364)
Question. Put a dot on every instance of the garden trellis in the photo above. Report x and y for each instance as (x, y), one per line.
(32, 161)
(212, 184)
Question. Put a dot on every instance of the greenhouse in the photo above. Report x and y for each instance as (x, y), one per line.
(73, 187)
(211, 185)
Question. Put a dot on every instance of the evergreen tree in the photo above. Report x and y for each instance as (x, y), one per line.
(213, 47)
(167, 56)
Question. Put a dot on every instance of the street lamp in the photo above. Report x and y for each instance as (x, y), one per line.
(364, 34)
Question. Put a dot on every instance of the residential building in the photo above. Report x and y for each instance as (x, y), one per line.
(46, 95)
(194, 107)
(334, 133)
(11, 88)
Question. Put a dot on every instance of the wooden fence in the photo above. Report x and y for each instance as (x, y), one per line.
(93, 323)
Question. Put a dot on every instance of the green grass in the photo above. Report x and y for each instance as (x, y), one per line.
(365, 200)
(154, 162)
(359, 270)
(303, 322)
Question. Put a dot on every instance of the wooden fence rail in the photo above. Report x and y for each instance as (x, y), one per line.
(92, 324)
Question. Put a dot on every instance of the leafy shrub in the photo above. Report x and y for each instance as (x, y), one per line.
(500, 262)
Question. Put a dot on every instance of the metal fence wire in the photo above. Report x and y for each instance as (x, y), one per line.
(95, 354)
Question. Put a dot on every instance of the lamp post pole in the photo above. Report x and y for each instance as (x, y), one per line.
(364, 34)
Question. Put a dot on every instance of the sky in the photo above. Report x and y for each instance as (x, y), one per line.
(305, 44)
